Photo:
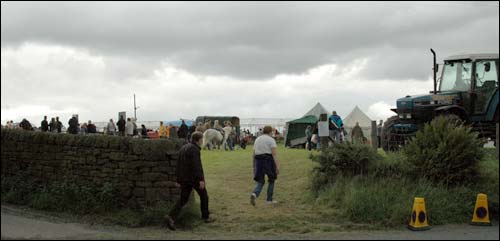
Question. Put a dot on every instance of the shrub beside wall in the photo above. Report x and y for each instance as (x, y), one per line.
(143, 171)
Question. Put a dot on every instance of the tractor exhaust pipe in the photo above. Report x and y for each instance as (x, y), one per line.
(434, 70)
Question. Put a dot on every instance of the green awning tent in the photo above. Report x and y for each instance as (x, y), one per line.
(296, 129)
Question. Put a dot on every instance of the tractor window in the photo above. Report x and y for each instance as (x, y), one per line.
(486, 74)
(486, 84)
(456, 76)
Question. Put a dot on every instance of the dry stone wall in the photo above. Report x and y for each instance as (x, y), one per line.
(142, 169)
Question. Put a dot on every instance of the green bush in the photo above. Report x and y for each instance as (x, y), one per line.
(343, 159)
(446, 152)
(393, 165)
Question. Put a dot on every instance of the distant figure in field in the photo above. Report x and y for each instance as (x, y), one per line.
(121, 126)
(129, 127)
(191, 130)
(53, 125)
(136, 131)
(91, 128)
(190, 176)
(59, 125)
(111, 128)
(309, 134)
(26, 125)
(144, 132)
(83, 128)
(357, 135)
(265, 164)
(162, 130)
(379, 133)
(183, 131)
(44, 126)
(335, 126)
(173, 131)
(73, 125)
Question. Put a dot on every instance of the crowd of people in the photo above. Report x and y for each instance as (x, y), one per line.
(338, 134)
(122, 127)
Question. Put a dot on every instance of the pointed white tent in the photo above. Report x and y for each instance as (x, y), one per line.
(317, 110)
(357, 115)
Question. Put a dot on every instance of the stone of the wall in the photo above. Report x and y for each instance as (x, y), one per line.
(143, 170)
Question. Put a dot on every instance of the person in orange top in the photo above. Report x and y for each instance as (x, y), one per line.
(162, 131)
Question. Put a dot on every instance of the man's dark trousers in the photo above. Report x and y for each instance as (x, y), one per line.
(186, 189)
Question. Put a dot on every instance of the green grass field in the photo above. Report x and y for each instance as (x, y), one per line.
(229, 177)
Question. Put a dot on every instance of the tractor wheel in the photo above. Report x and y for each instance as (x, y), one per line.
(454, 118)
(385, 137)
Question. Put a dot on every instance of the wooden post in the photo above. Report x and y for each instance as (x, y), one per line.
(374, 135)
(323, 139)
(497, 140)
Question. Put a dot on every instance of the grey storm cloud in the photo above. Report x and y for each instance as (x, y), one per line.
(256, 41)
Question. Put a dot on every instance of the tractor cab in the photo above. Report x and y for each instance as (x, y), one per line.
(467, 90)
(475, 79)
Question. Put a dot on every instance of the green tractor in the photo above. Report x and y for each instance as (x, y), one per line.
(467, 92)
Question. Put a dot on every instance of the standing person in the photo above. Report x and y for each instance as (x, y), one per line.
(53, 125)
(111, 128)
(91, 128)
(144, 132)
(265, 164)
(335, 126)
(59, 125)
(26, 125)
(10, 124)
(315, 137)
(357, 135)
(173, 131)
(192, 129)
(136, 131)
(243, 140)
(83, 128)
(73, 125)
(309, 137)
(169, 128)
(129, 127)
(162, 131)
(379, 133)
(183, 131)
(121, 126)
(44, 126)
(190, 176)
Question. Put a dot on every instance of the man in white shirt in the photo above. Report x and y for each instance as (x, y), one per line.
(265, 164)
(129, 127)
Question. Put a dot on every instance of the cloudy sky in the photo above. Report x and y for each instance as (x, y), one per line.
(246, 59)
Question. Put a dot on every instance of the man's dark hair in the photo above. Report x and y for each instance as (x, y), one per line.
(196, 136)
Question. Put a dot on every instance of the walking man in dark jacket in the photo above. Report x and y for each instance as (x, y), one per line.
(45, 124)
(190, 176)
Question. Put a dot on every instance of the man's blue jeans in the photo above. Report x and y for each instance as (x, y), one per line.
(270, 190)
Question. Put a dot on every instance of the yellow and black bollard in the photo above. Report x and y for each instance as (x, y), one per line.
(418, 218)
(481, 214)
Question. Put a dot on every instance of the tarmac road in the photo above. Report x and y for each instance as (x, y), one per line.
(19, 224)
